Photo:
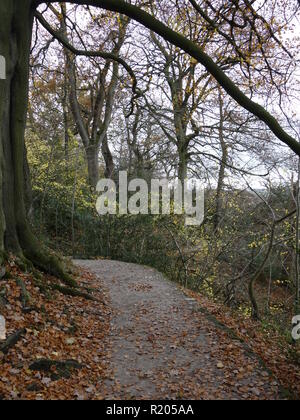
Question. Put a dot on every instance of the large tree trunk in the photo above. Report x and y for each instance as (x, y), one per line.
(183, 161)
(16, 19)
(15, 39)
(92, 155)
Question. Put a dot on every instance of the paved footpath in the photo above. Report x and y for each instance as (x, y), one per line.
(163, 347)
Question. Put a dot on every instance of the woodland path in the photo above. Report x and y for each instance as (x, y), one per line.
(163, 347)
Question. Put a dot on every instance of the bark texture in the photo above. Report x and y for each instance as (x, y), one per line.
(16, 20)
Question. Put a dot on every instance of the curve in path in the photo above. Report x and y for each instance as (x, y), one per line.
(163, 347)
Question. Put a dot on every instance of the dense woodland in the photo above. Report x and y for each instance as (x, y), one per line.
(170, 89)
(84, 122)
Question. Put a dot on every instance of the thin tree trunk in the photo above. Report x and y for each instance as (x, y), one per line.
(221, 177)
(96, 138)
(297, 249)
(108, 158)
(73, 202)
(66, 113)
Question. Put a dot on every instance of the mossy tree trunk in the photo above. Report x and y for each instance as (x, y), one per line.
(15, 38)
(16, 20)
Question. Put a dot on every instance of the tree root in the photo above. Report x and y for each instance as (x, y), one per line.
(24, 264)
(68, 291)
(45, 365)
(51, 264)
(38, 282)
(58, 369)
(41, 257)
(11, 341)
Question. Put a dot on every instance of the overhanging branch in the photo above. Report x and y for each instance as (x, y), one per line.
(150, 22)
(107, 56)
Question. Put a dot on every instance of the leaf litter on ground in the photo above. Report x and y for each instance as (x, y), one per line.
(61, 353)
